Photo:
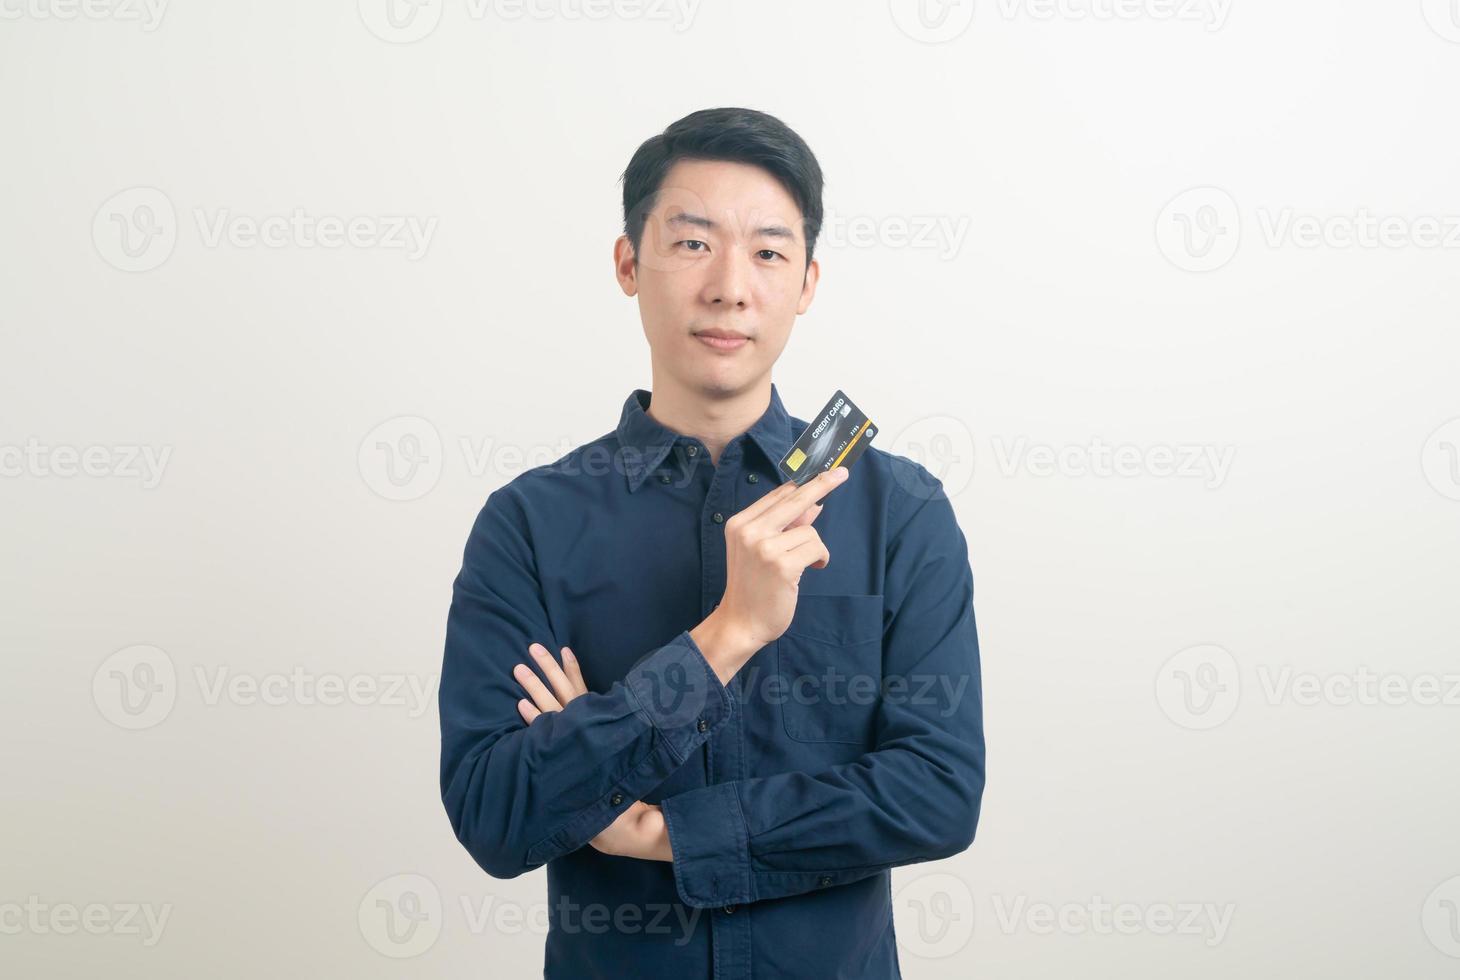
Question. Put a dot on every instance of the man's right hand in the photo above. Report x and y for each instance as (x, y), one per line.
(768, 545)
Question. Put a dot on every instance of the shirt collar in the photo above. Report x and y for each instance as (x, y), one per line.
(644, 442)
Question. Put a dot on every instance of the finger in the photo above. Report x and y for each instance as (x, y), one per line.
(752, 510)
(540, 695)
(527, 710)
(799, 538)
(793, 537)
(807, 516)
(782, 512)
(554, 674)
(810, 554)
(574, 672)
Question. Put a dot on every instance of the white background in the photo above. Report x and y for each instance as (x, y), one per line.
(1074, 293)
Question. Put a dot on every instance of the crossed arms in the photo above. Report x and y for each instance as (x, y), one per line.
(534, 765)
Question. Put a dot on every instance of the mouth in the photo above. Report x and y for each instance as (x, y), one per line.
(722, 339)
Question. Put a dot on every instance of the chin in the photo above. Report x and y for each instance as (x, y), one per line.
(725, 382)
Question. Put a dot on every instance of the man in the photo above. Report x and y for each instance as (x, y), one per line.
(750, 717)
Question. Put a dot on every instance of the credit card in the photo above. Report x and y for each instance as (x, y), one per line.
(835, 437)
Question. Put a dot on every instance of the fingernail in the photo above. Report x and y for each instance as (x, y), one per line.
(567, 652)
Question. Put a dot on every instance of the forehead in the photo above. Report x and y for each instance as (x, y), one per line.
(729, 194)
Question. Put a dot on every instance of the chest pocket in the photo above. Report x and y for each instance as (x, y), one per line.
(830, 662)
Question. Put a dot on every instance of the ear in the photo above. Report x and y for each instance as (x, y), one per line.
(808, 287)
(624, 266)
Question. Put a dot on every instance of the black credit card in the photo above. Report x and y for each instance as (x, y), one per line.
(836, 437)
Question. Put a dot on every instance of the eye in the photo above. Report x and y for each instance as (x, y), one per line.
(693, 241)
(769, 254)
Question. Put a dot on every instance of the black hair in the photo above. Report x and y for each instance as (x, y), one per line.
(732, 134)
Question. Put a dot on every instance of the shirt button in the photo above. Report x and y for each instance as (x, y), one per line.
(663, 477)
(615, 799)
(825, 880)
(719, 518)
(694, 450)
(703, 725)
(751, 478)
(729, 910)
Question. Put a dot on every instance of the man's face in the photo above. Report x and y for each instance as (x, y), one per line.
(721, 274)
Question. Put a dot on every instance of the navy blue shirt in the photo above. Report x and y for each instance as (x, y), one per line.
(851, 745)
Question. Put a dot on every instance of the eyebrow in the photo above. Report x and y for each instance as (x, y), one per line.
(700, 221)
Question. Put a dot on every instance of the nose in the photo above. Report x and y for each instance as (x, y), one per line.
(729, 280)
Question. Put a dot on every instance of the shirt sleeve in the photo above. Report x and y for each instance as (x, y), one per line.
(519, 795)
(914, 797)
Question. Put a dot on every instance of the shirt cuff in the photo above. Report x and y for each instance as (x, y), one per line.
(710, 841)
(677, 690)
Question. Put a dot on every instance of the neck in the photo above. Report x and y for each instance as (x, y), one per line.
(714, 418)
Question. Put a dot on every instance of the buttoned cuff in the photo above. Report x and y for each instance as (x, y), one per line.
(674, 689)
(710, 841)
(677, 691)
